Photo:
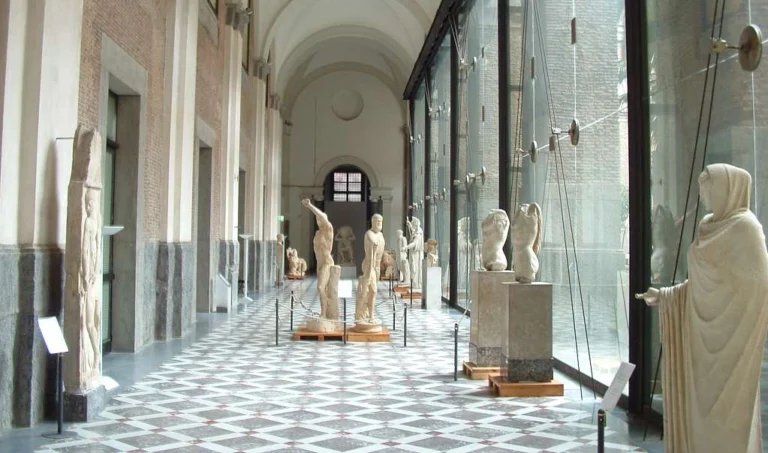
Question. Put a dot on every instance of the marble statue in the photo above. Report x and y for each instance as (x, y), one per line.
(403, 268)
(416, 248)
(82, 292)
(495, 231)
(526, 241)
(367, 286)
(664, 249)
(280, 259)
(713, 325)
(388, 265)
(297, 267)
(345, 249)
(430, 251)
(323, 243)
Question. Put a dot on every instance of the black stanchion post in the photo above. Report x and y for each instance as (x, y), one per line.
(344, 338)
(394, 312)
(456, 352)
(59, 394)
(405, 325)
(277, 320)
(601, 420)
(292, 299)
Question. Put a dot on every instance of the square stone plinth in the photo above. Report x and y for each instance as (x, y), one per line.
(528, 350)
(487, 325)
(432, 287)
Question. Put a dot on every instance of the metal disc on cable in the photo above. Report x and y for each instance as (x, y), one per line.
(532, 151)
(750, 47)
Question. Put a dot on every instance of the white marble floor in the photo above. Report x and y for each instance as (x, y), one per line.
(235, 391)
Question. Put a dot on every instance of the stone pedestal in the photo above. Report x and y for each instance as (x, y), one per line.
(487, 325)
(527, 353)
(348, 271)
(432, 287)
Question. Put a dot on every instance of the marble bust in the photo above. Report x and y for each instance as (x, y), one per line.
(495, 231)
(345, 249)
(403, 268)
(368, 284)
(430, 251)
(526, 241)
(416, 248)
(713, 325)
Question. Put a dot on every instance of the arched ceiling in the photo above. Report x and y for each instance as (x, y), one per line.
(312, 37)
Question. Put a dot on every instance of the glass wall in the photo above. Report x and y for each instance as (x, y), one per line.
(478, 141)
(440, 158)
(567, 63)
(417, 148)
(678, 80)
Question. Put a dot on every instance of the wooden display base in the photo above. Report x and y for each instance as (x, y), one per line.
(380, 337)
(294, 277)
(405, 293)
(500, 387)
(303, 334)
(475, 372)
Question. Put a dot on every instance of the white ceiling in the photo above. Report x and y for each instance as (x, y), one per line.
(312, 38)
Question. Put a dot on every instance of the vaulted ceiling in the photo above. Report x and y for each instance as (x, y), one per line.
(312, 38)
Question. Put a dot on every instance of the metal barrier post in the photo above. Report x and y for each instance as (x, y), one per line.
(601, 420)
(456, 352)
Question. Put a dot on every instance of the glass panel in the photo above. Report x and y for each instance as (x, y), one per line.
(355, 187)
(440, 159)
(479, 125)
(339, 197)
(355, 177)
(738, 127)
(112, 116)
(340, 187)
(354, 197)
(582, 190)
(417, 157)
(340, 177)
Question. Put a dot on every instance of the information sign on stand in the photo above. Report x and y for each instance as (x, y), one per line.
(612, 395)
(345, 288)
(53, 338)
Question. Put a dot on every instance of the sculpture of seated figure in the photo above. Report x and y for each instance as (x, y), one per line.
(297, 267)
(713, 325)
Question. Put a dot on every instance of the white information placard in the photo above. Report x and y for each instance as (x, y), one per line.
(345, 288)
(52, 335)
(612, 395)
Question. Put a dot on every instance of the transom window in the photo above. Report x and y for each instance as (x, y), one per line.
(347, 186)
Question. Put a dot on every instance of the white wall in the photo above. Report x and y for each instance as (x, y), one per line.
(318, 136)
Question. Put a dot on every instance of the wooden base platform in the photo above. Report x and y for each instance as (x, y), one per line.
(303, 334)
(381, 337)
(294, 277)
(499, 387)
(405, 294)
(475, 372)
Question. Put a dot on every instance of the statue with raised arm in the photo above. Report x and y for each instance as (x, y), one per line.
(368, 284)
(416, 248)
(526, 239)
(323, 243)
(713, 325)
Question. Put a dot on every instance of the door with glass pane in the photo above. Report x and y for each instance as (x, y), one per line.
(107, 203)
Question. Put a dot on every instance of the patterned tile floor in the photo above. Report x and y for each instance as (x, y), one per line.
(234, 391)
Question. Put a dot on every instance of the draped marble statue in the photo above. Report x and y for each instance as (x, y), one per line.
(430, 251)
(403, 268)
(367, 286)
(327, 273)
(82, 288)
(416, 248)
(526, 241)
(495, 231)
(280, 259)
(713, 325)
(345, 250)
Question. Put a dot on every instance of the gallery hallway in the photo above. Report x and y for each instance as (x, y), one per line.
(234, 391)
